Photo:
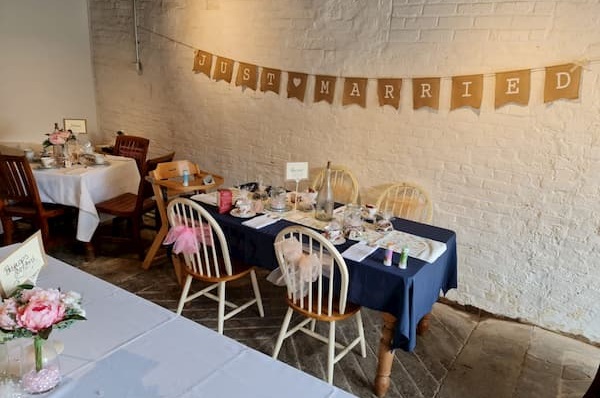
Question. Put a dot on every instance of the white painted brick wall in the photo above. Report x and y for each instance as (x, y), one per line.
(519, 185)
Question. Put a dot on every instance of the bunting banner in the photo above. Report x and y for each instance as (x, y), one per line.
(324, 88)
(388, 92)
(270, 80)
(511, 87)
(202, 62)
(223, 69)
(562, 81)
(247, 76)
(426, 93)
(466, 91)
(355, 91)
(296, 86)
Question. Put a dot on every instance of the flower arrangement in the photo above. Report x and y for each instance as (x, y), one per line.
(34, 312)
(57, 137)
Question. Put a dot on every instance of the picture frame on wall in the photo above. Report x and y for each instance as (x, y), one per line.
(77, 126)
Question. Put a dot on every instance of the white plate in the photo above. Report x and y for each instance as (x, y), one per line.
(338, 241)
(236, 213)
(287, 208)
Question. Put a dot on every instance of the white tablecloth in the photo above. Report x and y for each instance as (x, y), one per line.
(132, 348)
(83, 187)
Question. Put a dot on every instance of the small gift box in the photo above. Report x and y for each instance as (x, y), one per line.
(224, 200)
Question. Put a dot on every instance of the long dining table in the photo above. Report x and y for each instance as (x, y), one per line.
(405, 296)
(131, 347)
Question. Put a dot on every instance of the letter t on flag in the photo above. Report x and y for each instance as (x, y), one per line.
(562, 81)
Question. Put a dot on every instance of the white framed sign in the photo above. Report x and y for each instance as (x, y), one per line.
(77, 126)
(23, 265)
(296, 171)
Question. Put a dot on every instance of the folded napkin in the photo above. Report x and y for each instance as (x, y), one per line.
(208, 198)
(260, 221)
(418, 247)
(359, 251)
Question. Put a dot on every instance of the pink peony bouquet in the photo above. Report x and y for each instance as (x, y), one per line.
(33, 312)
(57, 137)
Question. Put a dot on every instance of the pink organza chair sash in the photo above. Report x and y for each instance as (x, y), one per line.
(187, 239)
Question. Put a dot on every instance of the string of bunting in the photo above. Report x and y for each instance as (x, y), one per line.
(561, 82)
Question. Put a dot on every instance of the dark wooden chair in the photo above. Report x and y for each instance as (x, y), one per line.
(19, 197)
(130, 206)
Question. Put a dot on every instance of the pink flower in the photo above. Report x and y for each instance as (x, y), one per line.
(39, 314)
(58, 137)
(8, 310)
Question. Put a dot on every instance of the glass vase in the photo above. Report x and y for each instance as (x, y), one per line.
(40, 368)
(58, 152)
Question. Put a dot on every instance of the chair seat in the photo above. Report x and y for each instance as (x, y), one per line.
(351, 309)
(238, 270)
(123, 205)
(23, 210)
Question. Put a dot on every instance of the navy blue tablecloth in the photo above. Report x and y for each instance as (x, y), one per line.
(408, 294)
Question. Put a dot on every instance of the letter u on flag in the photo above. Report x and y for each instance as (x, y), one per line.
(562, 81)
(223, 69)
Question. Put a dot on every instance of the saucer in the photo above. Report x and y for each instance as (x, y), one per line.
(287, 208)
(236, 213)
(338, 241)
(42, 167)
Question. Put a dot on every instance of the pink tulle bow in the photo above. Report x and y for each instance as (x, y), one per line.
(186, 239)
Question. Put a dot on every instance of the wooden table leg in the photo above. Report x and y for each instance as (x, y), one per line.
(423, 325)
(158, 239)
(386, 355)
(90, 254)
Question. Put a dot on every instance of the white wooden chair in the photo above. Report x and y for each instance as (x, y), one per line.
(343, 182)
(319, 299)
(406, 200)
(210, 262)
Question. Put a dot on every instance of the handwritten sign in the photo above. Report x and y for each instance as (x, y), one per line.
(23, 265)
(296, 171)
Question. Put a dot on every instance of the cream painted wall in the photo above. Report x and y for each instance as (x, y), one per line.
(45, 68)
(519, 185)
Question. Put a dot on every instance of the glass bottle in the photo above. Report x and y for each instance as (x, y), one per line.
(324, 206)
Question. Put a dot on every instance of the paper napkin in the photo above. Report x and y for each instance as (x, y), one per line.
(358, 251)
(260, 221)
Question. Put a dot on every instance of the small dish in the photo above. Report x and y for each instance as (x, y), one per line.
(287, 208)
(236, 213)
(42, 167)
(340, 240)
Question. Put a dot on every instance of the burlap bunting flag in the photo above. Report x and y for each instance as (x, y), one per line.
(202, 62)
(223, 69)
(513, 86)
(467, 91)
(562, 81)
(388, 91)
(270, 80)
(247, 76)
(296, 85)
(324, 88)
(355, 91)
(426, 92)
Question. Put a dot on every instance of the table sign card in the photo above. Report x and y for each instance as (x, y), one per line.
(296, 171)
(23, 265)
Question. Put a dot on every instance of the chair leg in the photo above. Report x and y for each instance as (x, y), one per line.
(331, 352)
(361, 334)
(137, 236)
(184, 294)
(9, 226)
(221, 319)
(313, 324)
(45, 228)
(259, 303)
(282, 332)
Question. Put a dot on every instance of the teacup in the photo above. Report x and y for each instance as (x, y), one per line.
(47, 161)
(371, 211)
(244, 206)
(29, 154)
(99, 158)
(333, 231)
